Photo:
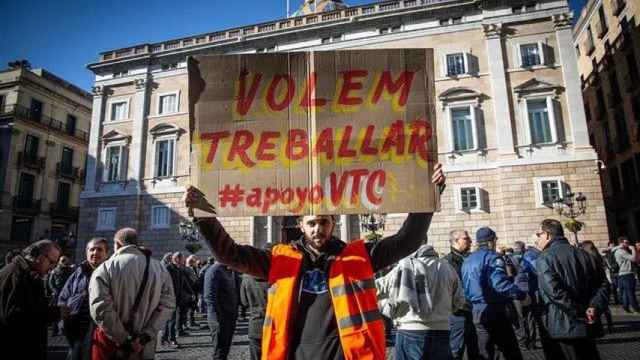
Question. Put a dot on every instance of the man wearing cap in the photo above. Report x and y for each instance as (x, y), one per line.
(489, 289)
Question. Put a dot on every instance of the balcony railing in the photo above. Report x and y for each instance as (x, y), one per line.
(26, 205)
(31, 162)
(259, 29)
(69, 172)
(23, 113)
(62, 211)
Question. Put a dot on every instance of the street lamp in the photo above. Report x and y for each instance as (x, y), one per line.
(372, 223)
(572, 206)
(190, 234)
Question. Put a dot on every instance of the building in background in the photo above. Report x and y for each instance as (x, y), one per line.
(510, 118)
(44, 135)
(607, 41)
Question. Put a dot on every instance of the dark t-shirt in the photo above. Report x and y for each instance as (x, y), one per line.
(314, 332)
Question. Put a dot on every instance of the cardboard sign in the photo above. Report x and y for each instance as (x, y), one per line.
(335, 132)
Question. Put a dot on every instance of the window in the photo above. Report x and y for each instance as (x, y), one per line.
(31, 147)
(168, 104)
(462, 126)
(70, 126)
(165, 157)
(603, 22)
(455, 64)
(468, 198)
(106, 219)
(160, 217)
(614, 175)
(628, 175)
(550, 191)
(35, 112)
(119, 110)
(622, 134)
(119, 74)
(589, 41)
(530, 54)
(67, 160)
(62, 199)
(2, 97)
(113, 163)
(539, 123)
(25, 191)
(578, 50)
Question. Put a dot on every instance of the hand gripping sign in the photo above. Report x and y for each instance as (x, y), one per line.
(336, 132)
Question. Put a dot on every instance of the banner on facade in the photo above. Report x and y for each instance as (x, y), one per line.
(335, 132)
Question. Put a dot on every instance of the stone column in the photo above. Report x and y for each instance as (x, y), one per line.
(345, 233)
(573, 90)
(137, 147)
(501, 108)
(93, 152)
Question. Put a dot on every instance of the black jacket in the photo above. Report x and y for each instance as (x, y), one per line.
(570, 281)
(456, 259)
(24, 311)
(221, 290)
(182, 287)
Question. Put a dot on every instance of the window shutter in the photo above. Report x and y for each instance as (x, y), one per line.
(518, 56)
(472, 63)
(483, 197)
(479, 128)
(443, 66)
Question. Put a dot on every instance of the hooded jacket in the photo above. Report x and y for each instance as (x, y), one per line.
(113, 289)
(421, 292)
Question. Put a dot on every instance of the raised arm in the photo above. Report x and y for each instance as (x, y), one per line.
(242, 258)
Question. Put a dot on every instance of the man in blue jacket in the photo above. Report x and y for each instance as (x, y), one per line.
(222, 298)
(77, 327)
(490, 291)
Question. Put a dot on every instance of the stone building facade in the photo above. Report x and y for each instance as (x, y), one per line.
(607, 41)
(510, 118)
(44, 134)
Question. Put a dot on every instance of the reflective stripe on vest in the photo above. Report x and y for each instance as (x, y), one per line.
(353, 294)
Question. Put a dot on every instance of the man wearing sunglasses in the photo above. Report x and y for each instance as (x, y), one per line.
(574, 290)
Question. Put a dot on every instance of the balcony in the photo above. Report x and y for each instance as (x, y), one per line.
(618, 6)
(63, 211)
(31, 162)
(68, 172)
(25, 205)
(25, 114)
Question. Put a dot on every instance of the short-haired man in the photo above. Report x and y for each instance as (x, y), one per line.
(490, 291)
(24, 308)
(625, 256)
(191, 269)
(322, 303)
(130, 299)
(574, 291)
(462, 335)
(75, 295)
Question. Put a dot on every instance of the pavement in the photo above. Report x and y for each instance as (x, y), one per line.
(622, 344)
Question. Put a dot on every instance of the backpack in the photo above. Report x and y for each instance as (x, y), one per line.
(614, 268)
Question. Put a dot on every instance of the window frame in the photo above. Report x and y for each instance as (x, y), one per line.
(159, 109)
(153, 224)
(172, 138)
(538, 192)
(541, 54)
(481, 203)
(465, 64)
(106, 227)
(127, 111)
(473, 108)
(551, 114)
(105, 177)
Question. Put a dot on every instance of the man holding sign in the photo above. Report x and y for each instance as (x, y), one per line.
(322, 297)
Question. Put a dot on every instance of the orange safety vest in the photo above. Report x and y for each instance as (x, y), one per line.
(353, 293)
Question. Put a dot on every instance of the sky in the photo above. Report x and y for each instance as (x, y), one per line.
(64, 36)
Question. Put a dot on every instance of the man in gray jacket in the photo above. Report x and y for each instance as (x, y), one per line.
(113, 290)
(625, 256)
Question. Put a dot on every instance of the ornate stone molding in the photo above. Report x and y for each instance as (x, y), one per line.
(114, 135)
(459, 94)
(140, 84)
(166, 129)
(492, 31)
(98, 90)
(535, 86)
(562, 21)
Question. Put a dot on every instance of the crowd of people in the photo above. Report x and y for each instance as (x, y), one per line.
(319, 297)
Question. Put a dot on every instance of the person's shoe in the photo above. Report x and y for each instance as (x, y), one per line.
(626, 310)
(174, 345)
